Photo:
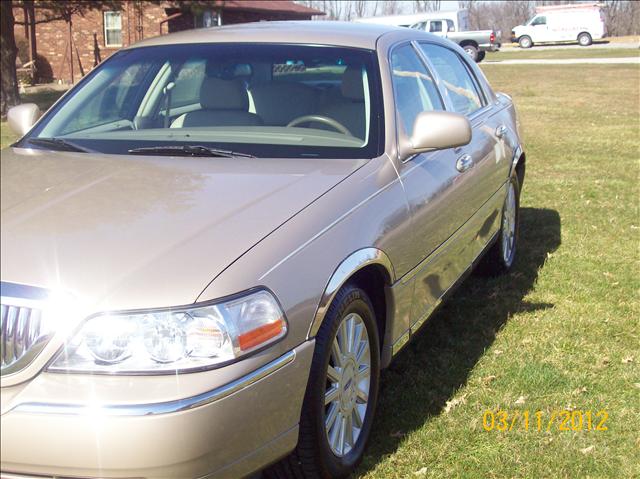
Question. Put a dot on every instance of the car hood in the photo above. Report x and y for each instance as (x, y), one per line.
(126, 232)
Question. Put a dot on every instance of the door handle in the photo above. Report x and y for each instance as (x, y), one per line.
(501, 131)
(464, 163)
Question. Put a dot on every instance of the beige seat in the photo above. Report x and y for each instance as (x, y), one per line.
(349, 110)
(277, 103)
(224, 103)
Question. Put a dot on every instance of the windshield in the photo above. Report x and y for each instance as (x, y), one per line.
(266, 100)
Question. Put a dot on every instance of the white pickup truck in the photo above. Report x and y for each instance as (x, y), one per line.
(453, 25)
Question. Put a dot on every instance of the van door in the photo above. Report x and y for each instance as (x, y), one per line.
(539, 29)
(563, 26)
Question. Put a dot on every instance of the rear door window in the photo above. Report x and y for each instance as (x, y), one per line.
(413, 86)
(462, 88)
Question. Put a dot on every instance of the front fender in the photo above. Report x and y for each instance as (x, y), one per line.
(351, 265)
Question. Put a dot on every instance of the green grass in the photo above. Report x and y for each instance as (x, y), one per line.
(562, 53)
(44, 99)
(562, 331)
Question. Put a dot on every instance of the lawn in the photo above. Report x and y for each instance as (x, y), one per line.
(562, 53)
(562, 331)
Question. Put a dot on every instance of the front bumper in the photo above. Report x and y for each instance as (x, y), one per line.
(228, 431)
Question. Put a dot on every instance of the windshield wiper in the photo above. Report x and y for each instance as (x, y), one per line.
(188, 150)
(58, 144)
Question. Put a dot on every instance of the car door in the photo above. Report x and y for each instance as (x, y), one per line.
(454, 223)
(482, 162)
(435, 189)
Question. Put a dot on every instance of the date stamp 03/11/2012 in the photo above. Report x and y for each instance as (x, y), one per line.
(545, 421)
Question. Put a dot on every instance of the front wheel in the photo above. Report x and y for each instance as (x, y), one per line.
(342, 392)
(481, 56)
(525, 42)
(584, 39)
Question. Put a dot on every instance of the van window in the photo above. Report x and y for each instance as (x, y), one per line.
(450, 26)
(539, 21)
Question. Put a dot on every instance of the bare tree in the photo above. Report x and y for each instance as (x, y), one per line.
(9, 83)
(390, 7)
(360, 8)
(427, 5)
(498, 16)
(622, 17)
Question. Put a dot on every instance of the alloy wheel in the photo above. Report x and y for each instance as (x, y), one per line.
(348, 383)
(509, 225)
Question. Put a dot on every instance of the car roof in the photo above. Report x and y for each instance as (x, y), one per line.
(355, 35)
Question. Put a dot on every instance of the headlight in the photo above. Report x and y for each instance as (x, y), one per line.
(166, 341)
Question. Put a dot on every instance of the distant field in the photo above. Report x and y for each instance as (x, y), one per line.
(561, 53)
(561, 332)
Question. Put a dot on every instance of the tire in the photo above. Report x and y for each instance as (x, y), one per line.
(525, 41)
(481, 56)
(472, 51)
(316, 455)
(501, 256)
(584, 39)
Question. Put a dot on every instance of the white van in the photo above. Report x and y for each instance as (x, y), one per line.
(578, 22)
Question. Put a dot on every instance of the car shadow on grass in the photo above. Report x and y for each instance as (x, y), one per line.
(438, 361)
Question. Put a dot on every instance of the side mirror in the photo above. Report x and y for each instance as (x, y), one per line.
(22, 117)
(435, 130)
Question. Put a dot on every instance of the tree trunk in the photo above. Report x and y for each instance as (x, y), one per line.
(71, 48)
(9, 82)
(30, 19)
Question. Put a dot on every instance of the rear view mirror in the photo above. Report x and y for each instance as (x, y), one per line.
(436, 130)
(22, 117)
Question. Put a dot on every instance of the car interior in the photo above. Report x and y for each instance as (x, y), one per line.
(324, 96)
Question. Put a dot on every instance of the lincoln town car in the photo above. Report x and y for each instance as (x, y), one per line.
(217, 240)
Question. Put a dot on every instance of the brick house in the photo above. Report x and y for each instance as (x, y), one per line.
(98, 34)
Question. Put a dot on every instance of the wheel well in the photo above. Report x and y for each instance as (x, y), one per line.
(373, 279)
(583, 33)
(520, 169)
(468, 42)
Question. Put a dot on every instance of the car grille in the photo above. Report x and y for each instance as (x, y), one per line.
(22, 332)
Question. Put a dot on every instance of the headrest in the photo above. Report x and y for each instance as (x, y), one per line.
(216, 94)
(352, 83)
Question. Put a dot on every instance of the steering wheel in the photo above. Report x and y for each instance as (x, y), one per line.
(320, 119)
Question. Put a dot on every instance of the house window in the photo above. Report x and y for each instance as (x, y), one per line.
(206, 19)
(112, 29)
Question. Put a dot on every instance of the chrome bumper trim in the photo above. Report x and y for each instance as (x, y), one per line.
(163, 407)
